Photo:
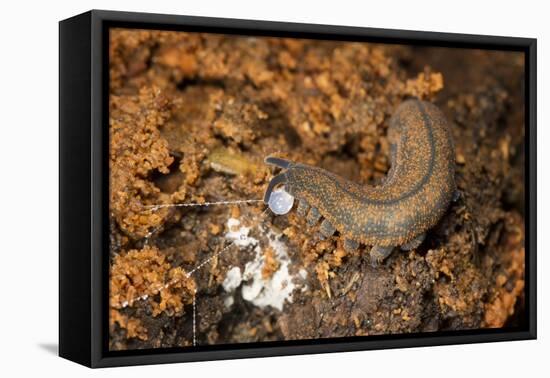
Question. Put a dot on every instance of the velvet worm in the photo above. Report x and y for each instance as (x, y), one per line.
(413, 197)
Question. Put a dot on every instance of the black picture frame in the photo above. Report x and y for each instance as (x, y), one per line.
(83, 181)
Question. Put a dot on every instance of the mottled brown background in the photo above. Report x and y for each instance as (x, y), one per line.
(193, 115)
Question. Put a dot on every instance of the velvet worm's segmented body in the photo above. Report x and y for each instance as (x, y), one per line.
(415, 194)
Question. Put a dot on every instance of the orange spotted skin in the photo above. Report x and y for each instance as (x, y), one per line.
(415, 194)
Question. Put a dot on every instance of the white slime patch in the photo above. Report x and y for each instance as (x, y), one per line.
(273, 291)
(239, 236)
(233, 279)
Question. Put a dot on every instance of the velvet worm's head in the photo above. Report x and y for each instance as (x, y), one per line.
(278, 199)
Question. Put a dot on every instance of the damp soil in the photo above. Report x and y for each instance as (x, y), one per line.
(192, 116)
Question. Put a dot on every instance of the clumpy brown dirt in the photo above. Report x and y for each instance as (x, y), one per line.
(192, 116)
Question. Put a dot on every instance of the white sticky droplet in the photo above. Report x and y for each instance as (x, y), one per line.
(280, 201)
